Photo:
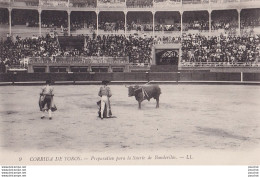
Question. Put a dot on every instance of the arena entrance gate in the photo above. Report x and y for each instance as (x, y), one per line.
(166, 58)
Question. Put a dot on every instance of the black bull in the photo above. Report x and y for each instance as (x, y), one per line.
(145, 92)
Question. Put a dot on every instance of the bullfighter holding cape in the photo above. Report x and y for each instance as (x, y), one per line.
(46, 100)
(104, 103)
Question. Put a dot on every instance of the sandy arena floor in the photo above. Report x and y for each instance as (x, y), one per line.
(201, 117)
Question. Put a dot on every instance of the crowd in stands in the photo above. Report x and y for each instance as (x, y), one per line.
(83, 3)
(196, 25)
(250, 18)
(56, 21)
(111, 2)
(112, 26)
(166, 40)
(250, 22)
(226, 23)
(164, 27)
(225, 49)
(93, 3)
(81, 21)
(54, 3)
(166, 2)
(136, 49)
(139, 3)
(28, 18)
(195, 1)
(13, 50)
(86, 3)
(190, 22)
(26, 2)
(140, 26)
(76, 25)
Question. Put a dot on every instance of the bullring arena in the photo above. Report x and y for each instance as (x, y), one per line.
(203, 54)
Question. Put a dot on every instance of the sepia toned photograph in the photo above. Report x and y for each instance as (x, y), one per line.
(130, 82)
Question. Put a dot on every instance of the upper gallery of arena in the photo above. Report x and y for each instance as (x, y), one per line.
(126, 5)
(20, 17)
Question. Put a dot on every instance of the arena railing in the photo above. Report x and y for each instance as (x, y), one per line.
(86, 60)
(169, 41)
(220, 64)
(139, 65)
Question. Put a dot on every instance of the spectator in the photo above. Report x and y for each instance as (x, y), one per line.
(144, 26)
(12, 51)
(221, 49)
(112, 26)
(224, 49)
(138, 50)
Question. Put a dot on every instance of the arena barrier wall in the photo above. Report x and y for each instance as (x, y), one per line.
(163, 76)
(6, 78)
(251, 77)
(204, 76)
(131, 77)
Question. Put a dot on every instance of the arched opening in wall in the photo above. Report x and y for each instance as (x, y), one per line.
(167, 24)
(4, 23)
(140, 22)
(167, 56)
(250, 21)
(25, 23)
(54, 22)
(111, 22)
(83, 22)
(224, 21)
(195, 22)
